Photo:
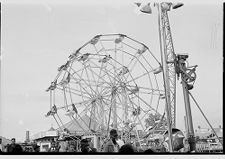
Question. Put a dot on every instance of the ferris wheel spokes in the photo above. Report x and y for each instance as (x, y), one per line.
(111, 84)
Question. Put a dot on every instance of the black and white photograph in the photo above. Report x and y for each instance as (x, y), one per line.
(111, 77)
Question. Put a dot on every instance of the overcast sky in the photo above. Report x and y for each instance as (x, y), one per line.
(37, 38)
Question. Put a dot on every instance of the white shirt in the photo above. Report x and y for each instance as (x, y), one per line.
(120, 142)
(1, 147)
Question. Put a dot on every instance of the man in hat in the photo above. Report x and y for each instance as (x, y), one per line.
(112, 145)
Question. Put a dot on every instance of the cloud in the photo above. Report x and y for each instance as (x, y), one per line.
(20, 122)
(47, 7)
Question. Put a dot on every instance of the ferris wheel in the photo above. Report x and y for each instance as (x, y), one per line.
(109, 82)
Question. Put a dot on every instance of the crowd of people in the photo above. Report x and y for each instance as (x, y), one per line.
(113, 145)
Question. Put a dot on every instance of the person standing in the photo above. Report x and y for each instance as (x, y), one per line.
(137, 147)
(13, 147)
(1, 146)
(91, 145)
(71, 148)
(119, 141)
(54, 147)
(63, 146)
(85, 146)
(35, 146)
(186, 148)
(112, 145)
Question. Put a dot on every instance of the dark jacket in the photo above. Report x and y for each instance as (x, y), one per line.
(14, 148)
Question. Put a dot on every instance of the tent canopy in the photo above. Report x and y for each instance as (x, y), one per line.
(81, 125)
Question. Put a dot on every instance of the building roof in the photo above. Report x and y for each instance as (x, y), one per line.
(41, 138)
(51, 129)
(81, 125)
(49, 133)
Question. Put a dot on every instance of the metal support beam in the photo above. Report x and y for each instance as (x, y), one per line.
(114, 108)
(124, 100)
(184, 77)
(170, 60)
(165, 74)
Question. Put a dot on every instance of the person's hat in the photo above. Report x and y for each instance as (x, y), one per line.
(113, 132)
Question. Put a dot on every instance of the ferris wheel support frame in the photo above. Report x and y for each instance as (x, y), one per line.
(114, 109)
(124, 100)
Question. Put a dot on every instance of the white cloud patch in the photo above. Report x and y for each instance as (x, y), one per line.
(47, 7)
(21, 122)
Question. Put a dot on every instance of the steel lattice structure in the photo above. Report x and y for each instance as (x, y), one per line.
(170, 59)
